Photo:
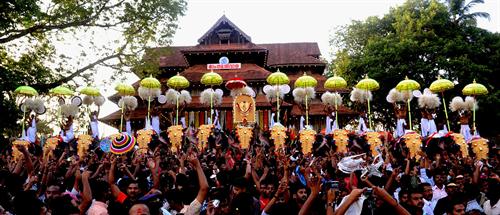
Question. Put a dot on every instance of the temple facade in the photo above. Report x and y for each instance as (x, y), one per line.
(224, 41)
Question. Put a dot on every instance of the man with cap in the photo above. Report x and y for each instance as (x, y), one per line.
(442, 204)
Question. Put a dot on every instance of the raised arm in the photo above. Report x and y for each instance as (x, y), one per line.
(115, 191)
(314, 184)
(202, 180)
(351, 198)
(87, 193)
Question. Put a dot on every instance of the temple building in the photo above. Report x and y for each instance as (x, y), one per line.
(248, 61)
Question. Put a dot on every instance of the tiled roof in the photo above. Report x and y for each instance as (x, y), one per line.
(224, 47)
(281, 54)
(247, 72)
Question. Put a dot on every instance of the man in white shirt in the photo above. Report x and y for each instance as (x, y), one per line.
(429, 202)
(439, 190)
(491, 209)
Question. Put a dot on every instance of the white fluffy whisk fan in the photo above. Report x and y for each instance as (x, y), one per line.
(299, 94)
(215, 94)
(130, 103)
(427, 100)
(331, 99)
(243, 91)
(183, 97)
(69, 110)
(360, 96)
(271, 91)
(148, 93)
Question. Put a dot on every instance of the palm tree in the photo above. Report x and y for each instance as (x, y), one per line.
(459, 11)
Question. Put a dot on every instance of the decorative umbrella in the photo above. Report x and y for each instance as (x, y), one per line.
(177, 82)
(124, 90)
(474, 89)
(335, 83)
(441, 85)
(408, 85)
(151, 85)
(278, 78)
(368, 84)
(235, 83)
(211, 79)
(303, 82)
(90, 91)
(25, 91)
(61, 91)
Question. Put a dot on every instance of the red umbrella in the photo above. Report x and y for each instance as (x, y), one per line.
(235, 83)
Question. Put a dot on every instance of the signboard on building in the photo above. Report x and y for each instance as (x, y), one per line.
(224, 64)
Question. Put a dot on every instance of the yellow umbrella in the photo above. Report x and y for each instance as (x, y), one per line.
(408, 85)
(303, 82)
(150, 83)
(61, 91)
(278, 78)
(335, 83)
(368, 84)
(441, 85)
(26, 90)
(90, 91)
(211, 79)
(177, 82)
(474, 89)
(125, 89)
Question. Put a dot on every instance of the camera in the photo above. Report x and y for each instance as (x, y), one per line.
(368, 192)
(332, 185)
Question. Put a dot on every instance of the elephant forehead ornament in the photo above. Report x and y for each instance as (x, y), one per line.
(413, 142)
(480, 147)
(175, 136)
(244, 109)
(245, 134)
(84, 142)
(16, 154)
(144, 137)
(460, 141)
(49, 147)
(203, 134)
(278, 134)
(341, 140)
(307, 138)
(373, 138)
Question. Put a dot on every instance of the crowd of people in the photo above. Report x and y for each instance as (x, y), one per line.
(222, 178)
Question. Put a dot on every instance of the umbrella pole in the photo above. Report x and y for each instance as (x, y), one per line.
(474, 116)
(177, 110)
(409, 114)
(336, 114)
(149, 106)
(211, 106)
(24, 118)
(278, 103)
(369, 115)
(307, 113)
(445, 112)
(121, 118)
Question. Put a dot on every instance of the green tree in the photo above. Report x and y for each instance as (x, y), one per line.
(419, 39)
(460, 12)
(110, 33)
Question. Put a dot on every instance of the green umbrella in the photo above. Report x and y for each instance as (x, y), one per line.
(441, 85)
(474, 89)
(177, 82)
(211, 79)
(61, 91)
(26, 90)
(277, 78)
(368, 84)
(303, 82)
(151, 83)
(90, 91)
(125, 89)
(335, 83)
(408, 85)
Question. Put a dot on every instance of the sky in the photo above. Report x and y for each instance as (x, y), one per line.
(279, 21)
